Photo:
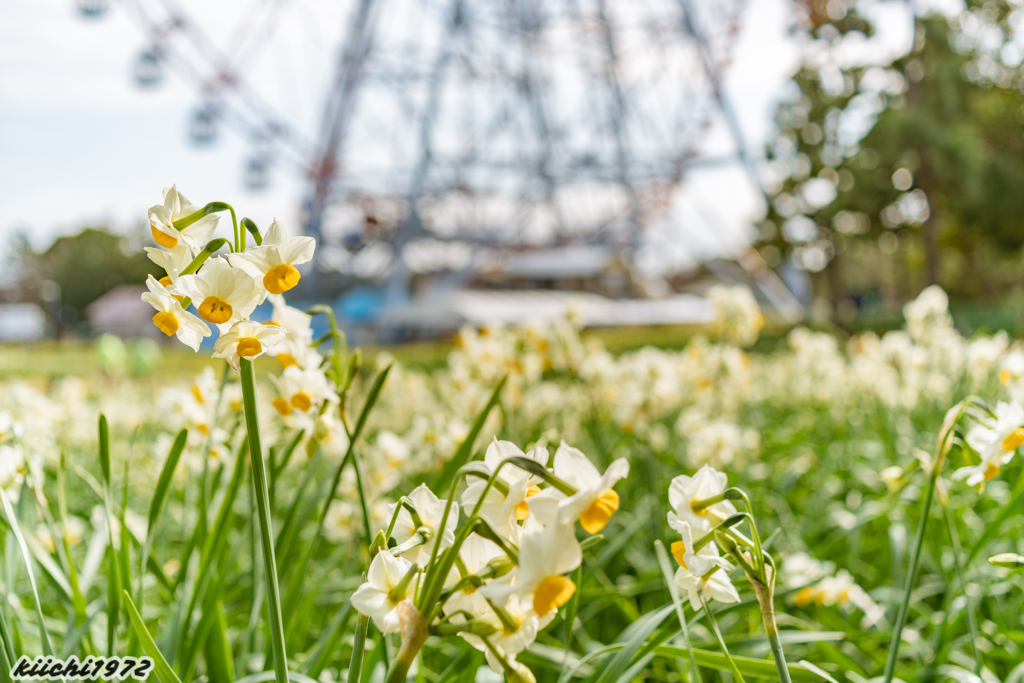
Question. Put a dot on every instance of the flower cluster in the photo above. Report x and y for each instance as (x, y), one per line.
(498, 578)
(223, 290)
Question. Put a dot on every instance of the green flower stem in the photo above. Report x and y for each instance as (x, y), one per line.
(972, 620)
(259, 478)
(721, 641)
(915, 559)
(766, 599)
(355, 664)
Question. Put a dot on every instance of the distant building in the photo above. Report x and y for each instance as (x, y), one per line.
(122, 311)
(22, 322)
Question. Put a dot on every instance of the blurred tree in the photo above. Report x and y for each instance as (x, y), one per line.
(88, 265)
(901, 163)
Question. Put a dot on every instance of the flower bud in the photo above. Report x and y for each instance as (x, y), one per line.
(1008, 560)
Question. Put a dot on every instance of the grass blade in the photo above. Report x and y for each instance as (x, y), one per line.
(465, 451)
(13, 521)
(160, 667)
(114, 578)
(156, 505)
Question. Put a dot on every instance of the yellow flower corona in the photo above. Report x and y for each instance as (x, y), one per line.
(1015, 439)
(281, 279)
(678, 552)
(284, 358)
(282, 406)
(552, 592)
(197, 393)
(166, 322)
(162, 238)
(992, 471)
(523, 509)
(249, 347)
(215, 310)
(595, 517)
(166, 282)
(302, 401)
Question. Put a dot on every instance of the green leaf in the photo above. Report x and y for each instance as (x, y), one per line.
(104, 449)
(219, 666)
(465, 450)
(250, 225)
(12, 520)
(636, 635)
(328, 642)
(757, 668)
(161, 668)
(156, 505)
(218, 538)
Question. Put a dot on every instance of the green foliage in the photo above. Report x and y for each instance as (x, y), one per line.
(88, 265)
(893, 176)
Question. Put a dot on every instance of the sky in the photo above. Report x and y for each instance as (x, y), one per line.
(80, 143)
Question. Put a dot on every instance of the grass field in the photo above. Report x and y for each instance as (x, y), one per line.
(737, 499)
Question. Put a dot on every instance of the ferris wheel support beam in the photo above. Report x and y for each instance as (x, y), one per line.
(338, 114)
(530, 25)
(771, 286)
(618, 119)
(397, 292)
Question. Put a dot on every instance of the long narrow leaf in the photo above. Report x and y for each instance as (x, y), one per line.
(465, 451)
(156, 505)
(114, 578)
(12, 520)
(160, 667)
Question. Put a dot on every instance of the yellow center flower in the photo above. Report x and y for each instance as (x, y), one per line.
(595, 517)
(1015, 439)
(804, 596)
(551, 593)
(702, 511)
(248, 347)
(203, 428)
(281, 279)
(992, 471)
(166, 322)
(523, 509)
(1004, 376)
(197, 394)
(302, 401)
(215, 310)
(162, 238)
(166, 282)
(286, 359)
(678, 550)
(282, 406)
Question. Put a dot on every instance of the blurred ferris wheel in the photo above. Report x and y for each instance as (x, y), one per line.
(465, 124)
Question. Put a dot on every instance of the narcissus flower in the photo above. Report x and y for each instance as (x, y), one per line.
(273, 263)
(685, 492)
(175, 207)
(430, 511)
(513, 638)
(296, 348)
(245, 339)
(715, 585)
(996, 442)
(380, 596)
(223, 295)
(697, 562)
(546, 554)
(301, 390)
(171, 318)
(502, 510)
(173, 261)
(595, 501)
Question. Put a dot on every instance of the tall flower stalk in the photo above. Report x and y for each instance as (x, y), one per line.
(259, 478)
